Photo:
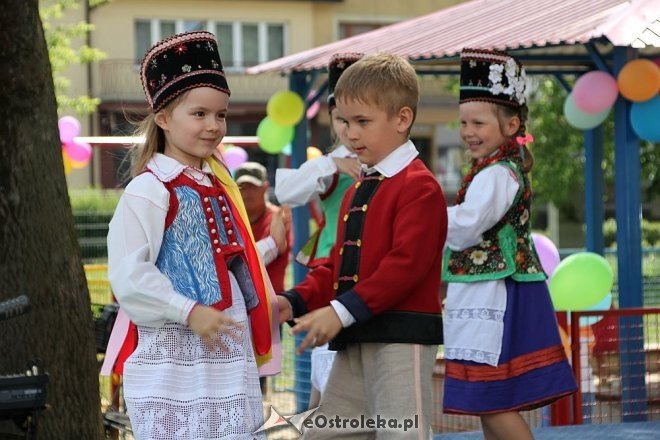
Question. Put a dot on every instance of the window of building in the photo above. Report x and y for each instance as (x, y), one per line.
(347, 29)
(242, 44)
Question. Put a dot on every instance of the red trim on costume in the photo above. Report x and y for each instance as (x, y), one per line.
(259, 316)
(127, 348)
(333, 185)
(513, 368)
(524, 407)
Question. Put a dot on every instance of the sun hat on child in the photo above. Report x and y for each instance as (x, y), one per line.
(180, 63)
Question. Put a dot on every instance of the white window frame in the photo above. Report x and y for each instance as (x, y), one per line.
(262, 32)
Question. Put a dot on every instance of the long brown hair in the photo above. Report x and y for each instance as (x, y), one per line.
(504, 113)
(154, 138)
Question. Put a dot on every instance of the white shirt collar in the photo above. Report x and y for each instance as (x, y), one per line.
(395, 161)
(168, 169)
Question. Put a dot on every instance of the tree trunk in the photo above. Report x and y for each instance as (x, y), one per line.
(39, 254)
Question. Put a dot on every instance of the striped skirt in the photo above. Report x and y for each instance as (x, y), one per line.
(532, 371)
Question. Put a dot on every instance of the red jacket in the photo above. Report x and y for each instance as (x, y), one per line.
(396, 298)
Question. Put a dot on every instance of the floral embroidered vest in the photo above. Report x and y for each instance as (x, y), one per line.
(506, 249)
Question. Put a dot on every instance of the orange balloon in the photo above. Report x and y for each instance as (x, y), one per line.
(78, 164)
(639, 80)
(313, 153)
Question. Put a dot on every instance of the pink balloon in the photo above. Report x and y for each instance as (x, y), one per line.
(234, 157)
(595, 92)
(69, 128)
(78, 151)
(547, 252)
(313, 109)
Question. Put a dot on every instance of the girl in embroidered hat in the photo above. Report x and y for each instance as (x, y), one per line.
(183, 264)
(326, 178)
(502, 347)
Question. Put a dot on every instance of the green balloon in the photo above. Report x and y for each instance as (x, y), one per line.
(272, 136)
(580, 281)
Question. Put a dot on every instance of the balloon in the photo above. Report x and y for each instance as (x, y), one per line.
(287, 150)
(272, 136)
(313, 109)
(639, 80)
(285, 108)
(604, 304)
(69, 128)
(78, 151)
(595, 92)
(645, 117)
(313, 153)
(67, 163)
(580, 281)
(76, 165)
(234, 157)
(580, 119)
(548, 253)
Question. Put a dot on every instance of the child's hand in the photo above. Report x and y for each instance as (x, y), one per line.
(349, 166)
(278, 231)
(321, 325)
(285, 309)
(209, 323)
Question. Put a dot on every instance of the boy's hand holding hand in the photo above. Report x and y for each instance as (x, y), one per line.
(285, 309)
(349, 166)
(209, 323)
(321, 325)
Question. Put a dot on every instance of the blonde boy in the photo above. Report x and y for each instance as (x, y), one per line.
(376, 301)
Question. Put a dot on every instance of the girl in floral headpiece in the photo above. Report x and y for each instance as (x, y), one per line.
(502, 346)
(183, 264)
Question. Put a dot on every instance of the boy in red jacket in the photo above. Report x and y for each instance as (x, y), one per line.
(377, 300)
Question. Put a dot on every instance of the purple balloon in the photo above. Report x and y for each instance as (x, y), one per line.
(234, 157)
(69, 128)
(78, 151)
(548, 253)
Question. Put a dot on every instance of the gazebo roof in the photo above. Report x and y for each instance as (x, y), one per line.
(514, 25)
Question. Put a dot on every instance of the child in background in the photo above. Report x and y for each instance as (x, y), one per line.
(376, 299)
(327, 177)
(182, 262)
(502, 346)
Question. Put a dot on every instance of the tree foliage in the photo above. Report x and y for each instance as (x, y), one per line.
(61, 38)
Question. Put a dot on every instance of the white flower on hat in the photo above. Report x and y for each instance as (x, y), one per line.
(496, 89)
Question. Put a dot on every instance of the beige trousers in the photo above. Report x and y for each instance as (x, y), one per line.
(376, 391)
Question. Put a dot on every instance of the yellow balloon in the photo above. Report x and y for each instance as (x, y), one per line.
(285, 108)
(67, 163)
(313, 153)
(78, 164)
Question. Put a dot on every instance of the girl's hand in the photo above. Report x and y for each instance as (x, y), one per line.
(349, 166)
(210, 323)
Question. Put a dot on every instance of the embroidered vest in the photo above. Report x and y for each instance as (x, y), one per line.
(317, 248)
(506, 249)
(201, 245)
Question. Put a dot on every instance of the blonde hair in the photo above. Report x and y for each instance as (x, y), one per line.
(385, 80)
(154, 138)
(504, 113)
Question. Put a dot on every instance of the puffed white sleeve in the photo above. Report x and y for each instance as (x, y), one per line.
(296, 187)
(488, 198)
(134, 240)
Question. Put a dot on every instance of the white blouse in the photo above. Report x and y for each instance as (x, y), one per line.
(134, 240)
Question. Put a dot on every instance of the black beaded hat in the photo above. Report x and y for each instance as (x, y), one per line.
(338, 63)
(491, 76)
(180, 63)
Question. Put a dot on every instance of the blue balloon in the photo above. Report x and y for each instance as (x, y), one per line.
(644, 119)
(604, 304)
(581, 120)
